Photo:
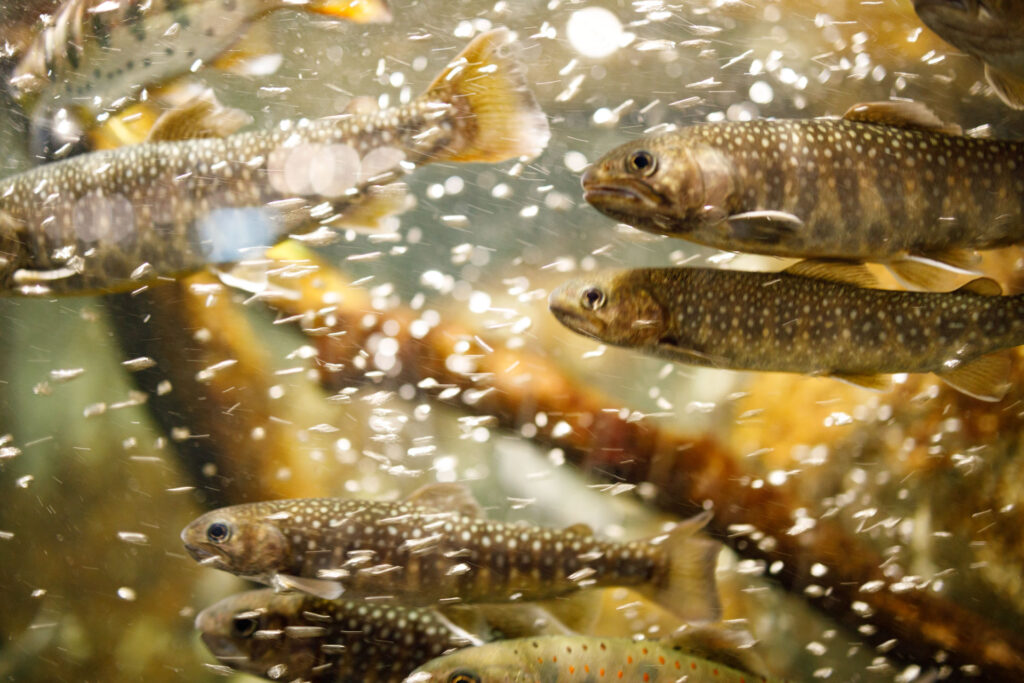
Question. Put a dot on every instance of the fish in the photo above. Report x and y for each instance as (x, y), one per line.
(192, 196)
(554, 659)
(293, 636)
(99, 55)
(991, 30)
(437, 548)
(888, 182)
(807, 319)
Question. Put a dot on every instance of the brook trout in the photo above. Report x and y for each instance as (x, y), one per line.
(888, 182)
(436, 548)
(561, 659)
(793, 321)
(991, 30)
(112, 220)
(300, 637)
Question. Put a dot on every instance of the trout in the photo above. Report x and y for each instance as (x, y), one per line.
(115, 219)
(798, 321)
(888, 182)
(991, 30)
(295, 636)
(436, 548)
(560, 659)
(99, 54)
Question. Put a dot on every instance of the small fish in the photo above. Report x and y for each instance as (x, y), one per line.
(798, 321)
(991, 30)
(99, 54)
(295, 636)
(436, 548)
(888, 182)
(557, 659)
(115, 219)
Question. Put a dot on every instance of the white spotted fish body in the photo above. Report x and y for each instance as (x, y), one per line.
(97, 52)
(789, 322)
(888, 183)
(114, 219)
(578, 659)
(424, 552)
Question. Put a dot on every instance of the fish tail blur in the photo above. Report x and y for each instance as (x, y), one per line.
(499, 118)
(356, 11)
(688, 587)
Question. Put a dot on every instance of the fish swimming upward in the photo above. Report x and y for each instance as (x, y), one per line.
(435, 548)
(115, 219)
(888, 182)
(796, 321)
(565, 659)
(991, 30)
(300, 637)
(99, 54)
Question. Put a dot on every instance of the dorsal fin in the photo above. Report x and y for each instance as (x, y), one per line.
(901, 115)
(447, 497)
(984, 286)
(580, 529)
(845, 272)
(203, 116)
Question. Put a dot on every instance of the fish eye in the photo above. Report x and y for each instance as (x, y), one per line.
(218, 532)
(592, 298)
(463, 677)
(642, 162)
(243, 627)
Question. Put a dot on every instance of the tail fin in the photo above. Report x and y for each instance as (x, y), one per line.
(499, 117)
(688, 588)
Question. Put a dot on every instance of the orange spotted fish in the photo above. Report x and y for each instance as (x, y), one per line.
(888, 182)
(97, 55)
(436, 548)
(798, 321)
(582, 659)
(115, 219)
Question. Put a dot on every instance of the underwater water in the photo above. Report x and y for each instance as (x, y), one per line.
(867, 535)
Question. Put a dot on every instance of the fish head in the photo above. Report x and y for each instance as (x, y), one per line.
(498, 662)
(989, 29)
(615, 308)
(246, 632)
(240, 539)
(669, 184)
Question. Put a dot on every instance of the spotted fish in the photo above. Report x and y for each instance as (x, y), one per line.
(991, 30)
(296, 636)
(798, 321)
(97, 55)
(114, 219)
(888, 182)
(436, 548)
(561, 659)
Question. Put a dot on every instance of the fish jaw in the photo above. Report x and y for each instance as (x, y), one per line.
(630, 201)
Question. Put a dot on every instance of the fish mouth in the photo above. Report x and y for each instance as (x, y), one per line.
(572, 319)
(623, 193)
(206, 556)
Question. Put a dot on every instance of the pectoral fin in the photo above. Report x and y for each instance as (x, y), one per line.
(379, 202)
(321, 588)
(1009, 88)
(984, 286)
(769, 227)
(983, 378)
(446, 497)
(873, 382)
(845, 272)
(202, 116)
(901, 115)
(580, 529)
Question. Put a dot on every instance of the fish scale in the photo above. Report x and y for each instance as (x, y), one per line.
(786, 322)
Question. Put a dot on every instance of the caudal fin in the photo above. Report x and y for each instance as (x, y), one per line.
(499, 118)
(688, 589)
